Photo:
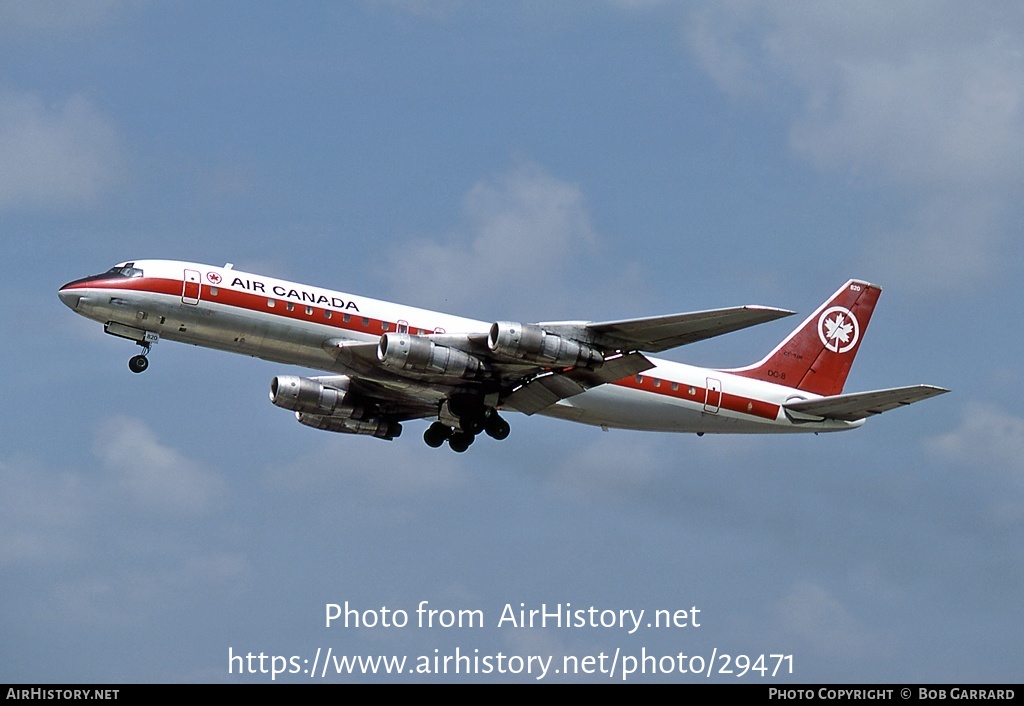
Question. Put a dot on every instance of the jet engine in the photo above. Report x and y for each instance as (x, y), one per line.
(531, 343)
(313, 397)
(418, 354)
(381, 428)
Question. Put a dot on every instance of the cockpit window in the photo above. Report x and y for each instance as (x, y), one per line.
(126, 270)
(123, 270)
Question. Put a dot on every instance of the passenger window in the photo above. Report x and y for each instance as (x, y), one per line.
(309, 310)
(214, 291)
(346, 318)
(640, 379)
(366, 321)
(271, 303)
(289, 306)
(327, 313)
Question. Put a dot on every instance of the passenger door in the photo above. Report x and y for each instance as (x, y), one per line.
(191, 288)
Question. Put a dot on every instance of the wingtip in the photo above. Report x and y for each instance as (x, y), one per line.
(775, 312)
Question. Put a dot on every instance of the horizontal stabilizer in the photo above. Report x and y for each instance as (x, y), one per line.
(860, 405)
(659, 333)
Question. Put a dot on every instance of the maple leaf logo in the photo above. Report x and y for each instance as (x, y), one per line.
(838, 329)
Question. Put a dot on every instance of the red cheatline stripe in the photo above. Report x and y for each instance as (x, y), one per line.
(698, 395)
(260, 303)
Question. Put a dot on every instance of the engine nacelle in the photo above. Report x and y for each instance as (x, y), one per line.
(418, 354)
(531, 343)
(381, 428)
(313, 397)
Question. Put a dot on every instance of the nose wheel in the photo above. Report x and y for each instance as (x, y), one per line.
(139, 363)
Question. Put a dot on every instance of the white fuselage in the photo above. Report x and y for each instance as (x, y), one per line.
(295, 324)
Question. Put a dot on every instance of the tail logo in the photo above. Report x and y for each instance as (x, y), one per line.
(838, 329)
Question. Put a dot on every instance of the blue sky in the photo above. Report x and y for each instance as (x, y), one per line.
(524, 161)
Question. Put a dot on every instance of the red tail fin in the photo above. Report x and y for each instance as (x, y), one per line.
(817, 356)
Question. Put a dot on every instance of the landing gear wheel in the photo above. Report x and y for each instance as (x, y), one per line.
(497, 428)
(138, 363)
(436, 434)
(473, 424)
(460, 441)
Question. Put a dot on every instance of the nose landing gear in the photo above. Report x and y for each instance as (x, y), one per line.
(139, 363)
(144, 338)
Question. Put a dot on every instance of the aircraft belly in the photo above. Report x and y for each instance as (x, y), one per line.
(213, 325)
(260, 335)
(620, 407)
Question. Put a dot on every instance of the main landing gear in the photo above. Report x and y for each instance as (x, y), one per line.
(459, 439)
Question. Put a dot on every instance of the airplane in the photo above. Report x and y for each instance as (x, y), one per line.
(388, 364)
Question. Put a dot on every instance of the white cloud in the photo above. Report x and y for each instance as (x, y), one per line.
(106, 541)
(616, 464)
(948, 115)
(56, 516)
(923, 98)
(40, 512)
(388, 469)
(946, 237)
(986, 437)
(123, 595)
(816, 616)
(526, 247)
(677, 474)
(990, 443)
(377, 481)
(154, 476)
(55, 155)
(715, 38)
(923, 92)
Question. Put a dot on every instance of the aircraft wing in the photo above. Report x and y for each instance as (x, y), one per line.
(658, 333)
(860, 405)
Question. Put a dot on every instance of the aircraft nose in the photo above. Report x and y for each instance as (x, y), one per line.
(69, 296)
